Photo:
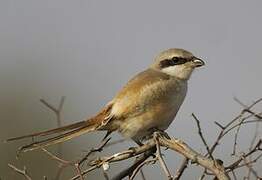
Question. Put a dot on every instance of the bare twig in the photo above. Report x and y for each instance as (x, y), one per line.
(201, 136)
(234, 175)
(56, 158)
(236, 163)
(203, 175)
(78, 170)
(57, 110)
(19, 171)
(181, 169)
(93, 150)
(105, 174)
(140, 166)
(142, 174)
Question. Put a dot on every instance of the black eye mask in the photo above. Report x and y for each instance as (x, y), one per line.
(172, 62)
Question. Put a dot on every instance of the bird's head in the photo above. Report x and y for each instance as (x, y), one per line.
(177, 62)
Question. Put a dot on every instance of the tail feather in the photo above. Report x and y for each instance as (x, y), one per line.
(49, 132)
(61, 134)
(57, 139)
(67, 132)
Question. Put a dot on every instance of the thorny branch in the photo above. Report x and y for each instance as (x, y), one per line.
(174, 144)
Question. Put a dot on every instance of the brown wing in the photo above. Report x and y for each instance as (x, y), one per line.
(137, 92)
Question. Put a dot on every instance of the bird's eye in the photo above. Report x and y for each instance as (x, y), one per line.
(175, 60)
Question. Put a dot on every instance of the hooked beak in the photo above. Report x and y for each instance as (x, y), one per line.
(198, 62)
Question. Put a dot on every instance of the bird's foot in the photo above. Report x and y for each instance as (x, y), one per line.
(160, 133)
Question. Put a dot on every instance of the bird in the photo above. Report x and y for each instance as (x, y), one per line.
(148, 102)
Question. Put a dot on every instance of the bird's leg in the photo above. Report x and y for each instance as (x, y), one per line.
(138, 142)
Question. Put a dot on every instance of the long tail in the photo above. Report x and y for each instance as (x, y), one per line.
(62, 134)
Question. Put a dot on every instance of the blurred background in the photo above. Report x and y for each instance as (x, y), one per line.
(86, 50)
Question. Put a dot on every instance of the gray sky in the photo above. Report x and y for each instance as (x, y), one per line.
(87, 50)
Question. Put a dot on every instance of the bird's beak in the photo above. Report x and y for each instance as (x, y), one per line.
(198, 62)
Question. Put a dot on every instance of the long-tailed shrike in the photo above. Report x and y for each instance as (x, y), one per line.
(148, 102)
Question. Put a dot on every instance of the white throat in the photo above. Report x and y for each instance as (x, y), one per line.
(180, 71)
